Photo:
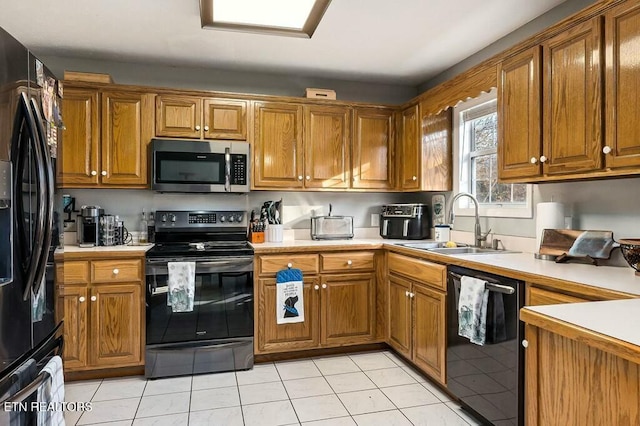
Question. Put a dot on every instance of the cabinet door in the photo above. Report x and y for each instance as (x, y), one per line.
(225, 119)
(572, 111)
(327, 137)
(519, 124)
(429, 332)
(437, 163)
(277, 153)
(411, 159)
(73, 303)
(274, 337)
(80, 147)
(116, 325)
(373, 148)
(348, 308)
(127, 128)
(622, 37)
(178, 116)
(400, 315)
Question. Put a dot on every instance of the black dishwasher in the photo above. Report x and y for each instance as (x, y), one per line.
(488, 379)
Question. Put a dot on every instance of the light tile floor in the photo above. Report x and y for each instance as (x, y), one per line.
(373, 388)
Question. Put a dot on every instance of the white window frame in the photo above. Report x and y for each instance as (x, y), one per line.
(464, 206)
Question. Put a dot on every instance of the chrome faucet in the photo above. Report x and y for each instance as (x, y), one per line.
(479, 237)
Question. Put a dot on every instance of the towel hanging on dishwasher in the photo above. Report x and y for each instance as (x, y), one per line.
(472, 309)
(289, 296)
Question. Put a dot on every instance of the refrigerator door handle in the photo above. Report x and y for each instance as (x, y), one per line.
(47, 208)
(25, 113)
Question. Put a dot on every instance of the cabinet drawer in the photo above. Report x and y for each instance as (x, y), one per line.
(344, 262)
(419, 270)
(72, 272)
(307, 263)
(117, 270)
(538, 296)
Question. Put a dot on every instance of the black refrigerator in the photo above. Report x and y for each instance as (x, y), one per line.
(29, 124)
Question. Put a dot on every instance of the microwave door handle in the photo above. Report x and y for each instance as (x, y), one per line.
(47, 208)
(227, 170)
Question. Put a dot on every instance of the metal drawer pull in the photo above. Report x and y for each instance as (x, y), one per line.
(289, 265)
(324, 286)
(116, 271)
(206, 128)
(406, 293)
(316, 287)
(93, 173)
(104, 173)
(349, 262)
(81, 299)
(94, 298)
(197, 127)
(412, 295)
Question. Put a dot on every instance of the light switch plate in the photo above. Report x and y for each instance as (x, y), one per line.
(375, 219)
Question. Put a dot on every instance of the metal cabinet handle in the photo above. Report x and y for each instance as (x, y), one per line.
(81, 299)
(308, 177)
(324, 286)
(116, 271)
(94, 298)
(534, 160)
(206, 128)
(289, 265)
(415, 178)
(543, 159)
(411, 295)
(197, 127)
(316, 287)
(606, 150)
(299, 177)
(406, 293)
(349, 262)
(103, 173)
(525, 343)
(94, 173)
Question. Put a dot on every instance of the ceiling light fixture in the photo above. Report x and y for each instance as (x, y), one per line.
(294, 18)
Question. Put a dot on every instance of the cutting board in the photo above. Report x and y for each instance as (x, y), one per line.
(577, 243)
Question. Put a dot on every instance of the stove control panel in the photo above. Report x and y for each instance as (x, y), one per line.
(199, 219)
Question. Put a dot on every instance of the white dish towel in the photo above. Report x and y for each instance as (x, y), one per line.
(182, 284)
(472, 309)
(52, 393)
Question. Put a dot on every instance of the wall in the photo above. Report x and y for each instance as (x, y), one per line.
(230, 81)
(297, 206)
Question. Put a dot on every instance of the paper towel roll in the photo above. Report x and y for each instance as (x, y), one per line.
(548, 216)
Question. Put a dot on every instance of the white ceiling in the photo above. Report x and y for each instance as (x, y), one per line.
(401, 41)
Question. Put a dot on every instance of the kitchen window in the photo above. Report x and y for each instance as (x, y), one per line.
(475, 134)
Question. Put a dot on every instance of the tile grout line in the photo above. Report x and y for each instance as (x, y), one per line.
(286, 392)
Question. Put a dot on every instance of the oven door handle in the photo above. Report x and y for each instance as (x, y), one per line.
(205, 262)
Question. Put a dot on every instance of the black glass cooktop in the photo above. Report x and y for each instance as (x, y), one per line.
(205, 248)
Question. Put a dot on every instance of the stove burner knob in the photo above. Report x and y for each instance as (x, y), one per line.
(231, 218)
(239, 218)
(172, 217)
(164, 217)
(223, 219)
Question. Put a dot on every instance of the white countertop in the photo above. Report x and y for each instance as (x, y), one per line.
(69, 248)
(619, 319)
(616, 278)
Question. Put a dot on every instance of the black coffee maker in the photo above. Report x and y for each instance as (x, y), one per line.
(88, 231)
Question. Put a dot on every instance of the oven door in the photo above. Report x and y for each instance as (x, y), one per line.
(223, 301)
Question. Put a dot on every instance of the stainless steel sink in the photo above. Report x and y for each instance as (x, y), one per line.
(438, 247)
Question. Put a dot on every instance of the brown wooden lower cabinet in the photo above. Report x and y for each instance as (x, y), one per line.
(339, 310)
(416, 325)
(569, 382)
(103, 316)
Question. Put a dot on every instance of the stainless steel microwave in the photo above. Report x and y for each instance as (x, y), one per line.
(199, 166)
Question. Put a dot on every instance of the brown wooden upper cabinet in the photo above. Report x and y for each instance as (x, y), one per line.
(106, 137)
(201, 118)
(435, 146)
(373, 148)
(411, 149)
(622, 39)
(519, 122)
(277, 148)
(327, 147)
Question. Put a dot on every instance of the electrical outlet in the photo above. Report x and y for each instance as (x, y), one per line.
(375, 219)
